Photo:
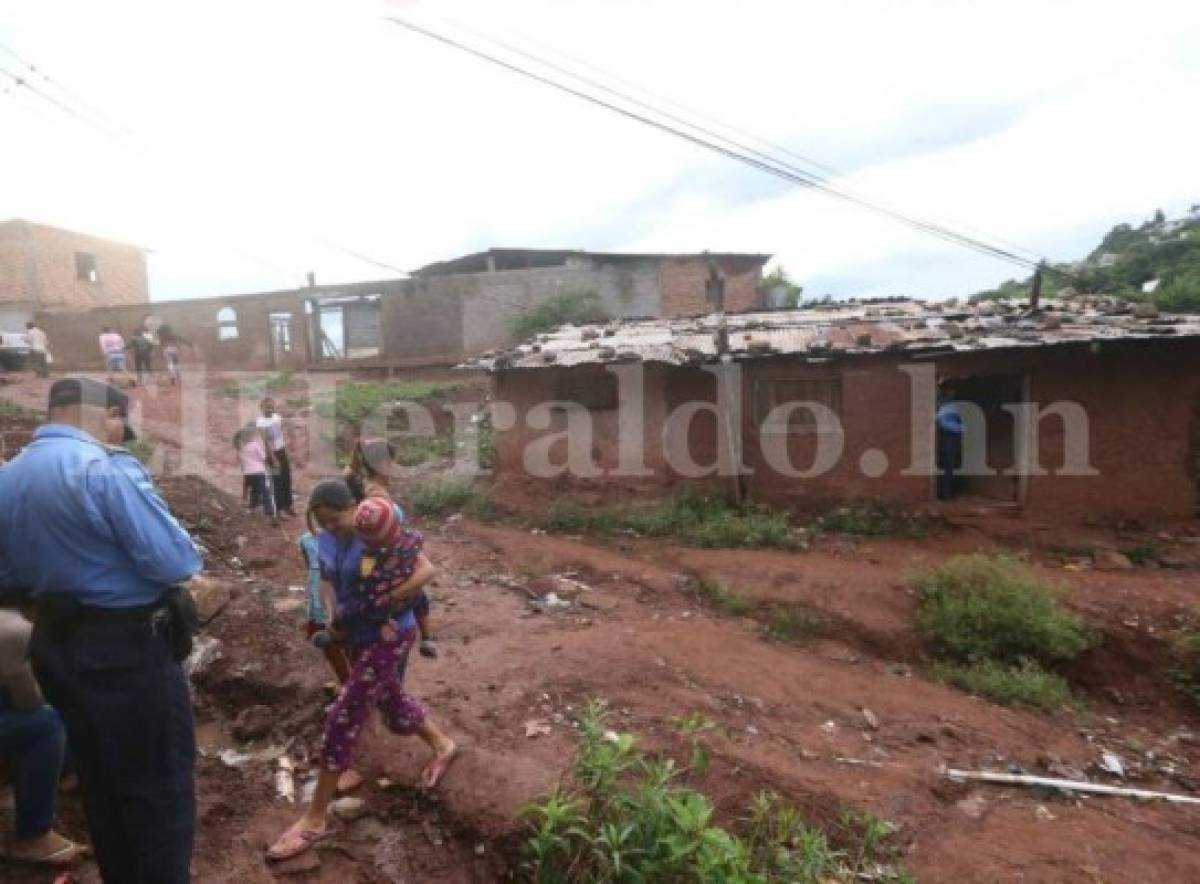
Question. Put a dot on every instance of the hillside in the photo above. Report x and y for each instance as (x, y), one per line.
(1126, 260)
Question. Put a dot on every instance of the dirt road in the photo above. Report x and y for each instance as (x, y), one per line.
(843, 719)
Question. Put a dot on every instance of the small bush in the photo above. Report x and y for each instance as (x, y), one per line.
(692, 518)
(448, 496)
(416, 450)
(1143, 554)
(15, 411)
(793, 624)
(626, 818)
(357, 400)
(257, 388)
(569, 308)
(992, 608)
(1026, 684)
(723, 598)
(1185, 654)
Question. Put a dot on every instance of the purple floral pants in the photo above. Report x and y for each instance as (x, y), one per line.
(375, 679)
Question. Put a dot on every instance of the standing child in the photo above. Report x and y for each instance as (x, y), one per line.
(317, 626)
(375, 568)
(256, 479)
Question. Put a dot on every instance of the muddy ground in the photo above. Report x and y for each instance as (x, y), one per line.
(844, 719)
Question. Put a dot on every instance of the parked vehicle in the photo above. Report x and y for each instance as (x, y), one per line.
(14, 350)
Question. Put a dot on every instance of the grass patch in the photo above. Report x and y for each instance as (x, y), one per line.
(447, 496)
(568, 308)
(1143, 554)
(873, 518)
(723, 598)
(416, 450)
(695, 519)
(1026, 684)
(792, 624)
(258, 388)
(1185, 667)
(996, 629)
(625, 817)
(14, 411)
(357, 400)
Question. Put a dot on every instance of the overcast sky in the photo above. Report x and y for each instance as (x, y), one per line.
(261, 137)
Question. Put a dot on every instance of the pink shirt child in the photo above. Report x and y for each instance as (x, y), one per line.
(253, 456)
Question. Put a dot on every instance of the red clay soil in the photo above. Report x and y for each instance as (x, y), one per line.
(792, 716)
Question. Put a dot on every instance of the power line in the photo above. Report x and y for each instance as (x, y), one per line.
(70, 93)
(737, 152)
(21, 81)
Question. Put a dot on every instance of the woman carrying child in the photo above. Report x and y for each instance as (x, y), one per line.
(370, 475)
(375, 568)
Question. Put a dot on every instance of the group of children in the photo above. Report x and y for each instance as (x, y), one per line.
(366, 609)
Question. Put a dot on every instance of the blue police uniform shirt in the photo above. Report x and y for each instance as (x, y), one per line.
(82, 519)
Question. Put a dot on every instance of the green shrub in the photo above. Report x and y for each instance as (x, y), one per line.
(1143, 554)
(1027, 684)
(793, 624)
(356, 400)
(993, 608)
(141, 449)
(568, 308)
(693, 518)
(1185, 654)
(723, 598)
(15, 411)
(416, 450)
(446, 496)
(626, 818)
(259, 387)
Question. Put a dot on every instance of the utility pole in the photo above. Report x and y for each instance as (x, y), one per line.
(1035, 293)
(714, 292)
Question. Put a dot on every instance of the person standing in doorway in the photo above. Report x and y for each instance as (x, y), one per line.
(270, 424)
(949, 439)
(86, 537)
(39, 349)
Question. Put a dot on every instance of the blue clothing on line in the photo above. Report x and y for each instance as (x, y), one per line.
(948, 418)
(81, 518)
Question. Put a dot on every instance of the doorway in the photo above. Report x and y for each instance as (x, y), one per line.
(988, 439)
(281, 338)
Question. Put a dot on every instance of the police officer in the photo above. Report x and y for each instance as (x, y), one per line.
(84, 532)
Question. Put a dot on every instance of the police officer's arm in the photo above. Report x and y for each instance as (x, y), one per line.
(160, 548)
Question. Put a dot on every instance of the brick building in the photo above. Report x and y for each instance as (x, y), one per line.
(49, 269)
(443, 314)
(1091, 379)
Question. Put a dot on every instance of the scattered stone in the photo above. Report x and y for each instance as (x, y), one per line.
(974, 806)
(1043, 814)
(1111, 762)
(348, 808)
(1111, 560)
(211, 597)
(869, 716)
(480, 850)
(205, 652)
(254, 722)
(536, 728)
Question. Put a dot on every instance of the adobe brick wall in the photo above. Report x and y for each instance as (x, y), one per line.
(37, 264)
(1140, 398)
(682, 280)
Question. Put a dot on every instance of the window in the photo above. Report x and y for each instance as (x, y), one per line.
(770, 393)
(227, 329)
(85, 267)
(595, 392)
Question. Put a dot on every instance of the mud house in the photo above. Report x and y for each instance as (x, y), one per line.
(1041, 387)
(442, 314)
(49, 269)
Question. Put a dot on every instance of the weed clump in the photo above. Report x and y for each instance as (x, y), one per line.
(996, 629)
(873, 518)
(355, 401)
(568, 308)
(695, 519)
(627, 818)
(440, 498)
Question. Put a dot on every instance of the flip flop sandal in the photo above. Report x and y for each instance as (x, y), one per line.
(63, 858)
(436, 769)
(293, 843)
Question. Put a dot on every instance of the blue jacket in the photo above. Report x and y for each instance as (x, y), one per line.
(80, 518)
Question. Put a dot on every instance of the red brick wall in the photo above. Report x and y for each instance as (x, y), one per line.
(1139, 399)
(37, 263)
(681, 283)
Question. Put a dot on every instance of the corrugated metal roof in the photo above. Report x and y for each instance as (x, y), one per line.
(850, 329)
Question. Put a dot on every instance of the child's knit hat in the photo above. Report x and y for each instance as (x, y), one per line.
(376, 523)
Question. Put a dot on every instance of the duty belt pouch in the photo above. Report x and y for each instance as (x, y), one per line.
(182, 621)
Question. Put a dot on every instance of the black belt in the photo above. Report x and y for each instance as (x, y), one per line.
(58, 608)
